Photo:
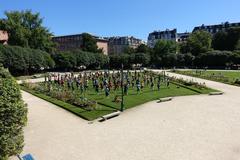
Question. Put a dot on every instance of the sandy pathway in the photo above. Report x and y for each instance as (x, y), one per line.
(187, 128)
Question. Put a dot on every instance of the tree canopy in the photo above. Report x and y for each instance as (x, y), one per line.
(199, 42)
(227, 40)
(89, 44)
(26, 30)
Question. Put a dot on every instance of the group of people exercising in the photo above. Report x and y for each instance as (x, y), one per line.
(104, 80)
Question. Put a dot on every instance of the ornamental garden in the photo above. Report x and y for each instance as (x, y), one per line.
(228, 77)
(91, 95)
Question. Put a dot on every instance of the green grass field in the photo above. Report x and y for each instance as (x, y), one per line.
(106, 105)
(228, 77)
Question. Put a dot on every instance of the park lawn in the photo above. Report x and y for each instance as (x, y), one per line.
(105, 105)
(134, 99)
(85, 114)
(228, 77)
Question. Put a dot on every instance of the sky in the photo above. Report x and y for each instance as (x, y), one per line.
(126, 17)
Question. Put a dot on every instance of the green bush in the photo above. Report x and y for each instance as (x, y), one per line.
(13, 116)
(22, 61)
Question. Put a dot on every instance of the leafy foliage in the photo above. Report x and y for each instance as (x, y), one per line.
(89, 44)
(74, 59)
(227, 40)
(198, 42)
(24, 60)
(13, 116)
(26, 30)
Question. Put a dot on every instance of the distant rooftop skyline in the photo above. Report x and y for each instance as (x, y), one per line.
(136, 18)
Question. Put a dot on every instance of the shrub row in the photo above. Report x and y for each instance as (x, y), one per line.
(13, 116)
(22, 61)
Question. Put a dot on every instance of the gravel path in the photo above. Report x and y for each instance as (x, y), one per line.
(187, 128)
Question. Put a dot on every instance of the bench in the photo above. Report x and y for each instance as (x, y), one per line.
(215, 93)
(165, 99)
(111, 115)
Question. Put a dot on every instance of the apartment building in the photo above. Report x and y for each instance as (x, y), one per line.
(117, 45)
(71, 42)
(161, 35)
(216, 28)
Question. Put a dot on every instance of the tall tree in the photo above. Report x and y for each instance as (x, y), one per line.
(142, 48)
(90, 44)
(129, 50)
(227, 40)
(219, 39)
(199, 42)
(161, 49)
(233, 38)
(25, 29)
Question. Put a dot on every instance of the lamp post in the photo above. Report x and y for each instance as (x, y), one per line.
(122, 103)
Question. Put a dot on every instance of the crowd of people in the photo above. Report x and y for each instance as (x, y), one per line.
(106, 81)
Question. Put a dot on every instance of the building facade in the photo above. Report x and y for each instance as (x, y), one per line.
(72, 42)
(3, 37)
(216, 28)
(182, 37)
(161, 35)
(117, 45)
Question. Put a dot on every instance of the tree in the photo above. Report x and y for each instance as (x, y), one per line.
(238, 45)
(129, 50)
(115, 61)
(13, 116)
(199, 42)
(161, 49)
(219, 41)
(65, 60)
(83, 58)
(184, 47)
(140, 58)
(215, 58)
(22, 61)
(169, 60)
(227, 40)
(164, 47)
(233, 38)
(89, 44)
(142, 48)
(188, 59)
(26, 30)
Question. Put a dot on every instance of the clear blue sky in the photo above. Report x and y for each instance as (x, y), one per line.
(126, 17)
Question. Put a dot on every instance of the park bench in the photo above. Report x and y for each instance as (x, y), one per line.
(108, 116)
(215, 93)
(165, 99)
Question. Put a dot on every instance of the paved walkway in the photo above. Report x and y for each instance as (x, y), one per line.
(187, 128)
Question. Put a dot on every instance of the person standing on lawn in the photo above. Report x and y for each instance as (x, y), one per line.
(126, 85)
(158, 85)
(168, 82)
(138, 86)
(107, 91)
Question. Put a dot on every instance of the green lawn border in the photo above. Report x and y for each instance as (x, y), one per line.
(192, 75)
(71, 108)
(184, 86)
(54, 101)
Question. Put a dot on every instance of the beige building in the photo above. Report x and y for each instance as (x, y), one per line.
(117, 45)
(3, 37)
(103, 44)
(71, 42)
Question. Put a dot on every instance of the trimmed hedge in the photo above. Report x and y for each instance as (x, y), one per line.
(22, 61)
(13, 116)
